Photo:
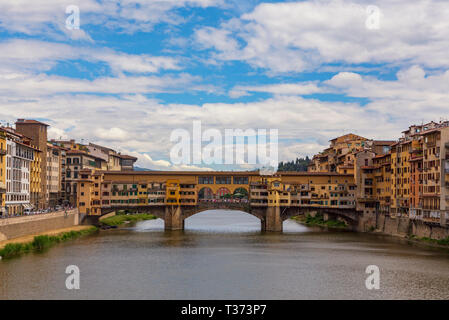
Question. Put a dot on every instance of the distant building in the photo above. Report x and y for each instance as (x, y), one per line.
(112, 158)
(77, 161)
(127, 162)
(37, 132)
(3, 153)
(19, 157)
(56, 159)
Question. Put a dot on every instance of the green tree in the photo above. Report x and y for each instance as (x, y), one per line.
(299, 164)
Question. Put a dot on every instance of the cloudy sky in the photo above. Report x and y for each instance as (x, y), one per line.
(136, 70)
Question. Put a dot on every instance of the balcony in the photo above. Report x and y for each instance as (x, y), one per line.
(367, 198)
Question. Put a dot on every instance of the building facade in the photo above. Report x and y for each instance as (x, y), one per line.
(3, 153)
(99, 190)
(19, 157)
(37, 132)
(35, 179)
(55, 170)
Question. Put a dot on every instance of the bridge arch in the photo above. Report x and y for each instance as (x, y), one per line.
(241, 193)
(205, 193)
(233, 206)
(223, 193)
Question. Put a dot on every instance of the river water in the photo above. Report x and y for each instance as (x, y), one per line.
(223, 255)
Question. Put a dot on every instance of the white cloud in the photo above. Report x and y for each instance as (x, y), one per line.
(48, 17)
(413, 97)
(277, 89)
(146, 161)
(144, 126)
(298, 36)
(280, 37)
(41, 85)
(112, 134)
(37, 55)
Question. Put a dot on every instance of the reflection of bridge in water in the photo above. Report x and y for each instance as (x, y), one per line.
(175, 196)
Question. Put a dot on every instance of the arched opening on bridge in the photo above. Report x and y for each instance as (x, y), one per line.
(205, 194)
(224, 194)
(218, 221)
(240, 194)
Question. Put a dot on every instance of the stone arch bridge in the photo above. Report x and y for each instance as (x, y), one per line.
(271, 217)
(176, 195)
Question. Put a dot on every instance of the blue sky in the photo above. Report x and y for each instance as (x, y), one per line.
(138, 69)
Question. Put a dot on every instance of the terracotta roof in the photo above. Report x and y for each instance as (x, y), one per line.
(125, 156)
(381, 156)
(14, 132)
(349, 134)
(430, 131)
(29, 146)
(53, 146)
(220, 173)
(383, 142)
(77, 152)
(24, 121)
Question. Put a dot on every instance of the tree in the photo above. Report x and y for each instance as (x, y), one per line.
(299, 164)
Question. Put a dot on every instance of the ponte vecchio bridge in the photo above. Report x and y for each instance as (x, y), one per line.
(174, 196)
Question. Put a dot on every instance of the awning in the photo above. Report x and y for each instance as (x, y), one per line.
(27, 206)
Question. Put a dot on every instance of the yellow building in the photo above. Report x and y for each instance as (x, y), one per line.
(340, 155)
(2, 171)
(37, 195)
(382, 181)
(102, 190)
(433, 163)
(400, 178)
(173, 189)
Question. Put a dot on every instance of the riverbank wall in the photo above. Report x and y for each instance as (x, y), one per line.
(11, 228)
(402, 226)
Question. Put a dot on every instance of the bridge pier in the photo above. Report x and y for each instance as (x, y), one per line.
(273, 220)
(173, 219)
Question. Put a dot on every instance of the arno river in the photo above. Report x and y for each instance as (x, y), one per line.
(223, 255)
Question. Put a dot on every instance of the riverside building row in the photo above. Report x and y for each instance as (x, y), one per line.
(404, 178)
(36, 174)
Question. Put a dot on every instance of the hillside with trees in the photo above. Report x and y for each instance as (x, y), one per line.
(300, 164)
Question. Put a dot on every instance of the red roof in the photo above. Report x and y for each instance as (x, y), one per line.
(125, 156)
(25, 121)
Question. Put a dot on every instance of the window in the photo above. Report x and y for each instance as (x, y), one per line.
(240, 180)
(223, 180)
(205, 180)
